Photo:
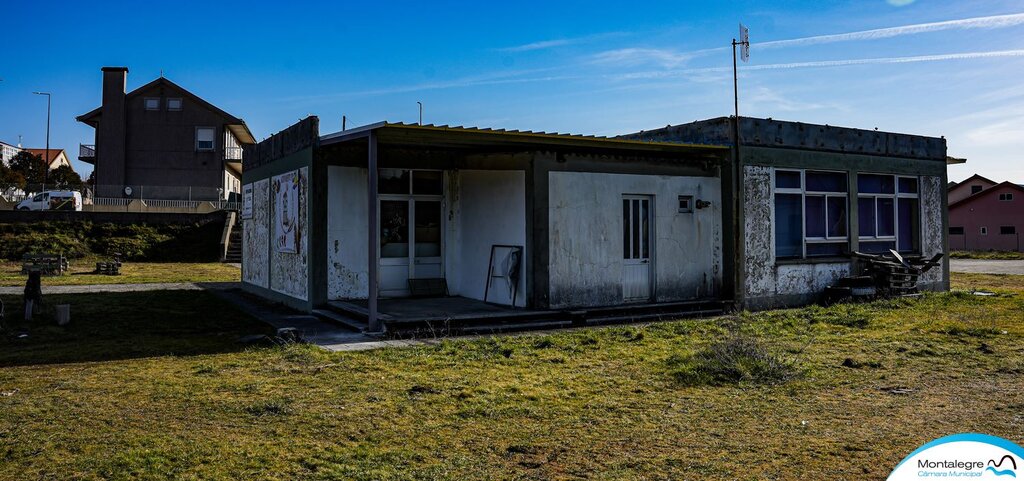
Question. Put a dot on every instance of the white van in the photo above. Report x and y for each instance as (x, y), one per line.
(52, 200)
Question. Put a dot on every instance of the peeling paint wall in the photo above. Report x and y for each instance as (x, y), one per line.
(289, 272)
(767, 283)
(586, 265)
(256, 237)
(758, 235)
(933, 232)
(347, 269)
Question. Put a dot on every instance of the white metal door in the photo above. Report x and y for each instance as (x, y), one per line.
(411, 231)
(636, 248)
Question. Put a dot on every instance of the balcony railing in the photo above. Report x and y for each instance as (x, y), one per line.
(233, 153)
(86, 152)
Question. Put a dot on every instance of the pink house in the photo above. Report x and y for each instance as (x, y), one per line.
(984, 215)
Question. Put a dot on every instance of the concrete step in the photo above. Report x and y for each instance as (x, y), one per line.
(331, 316)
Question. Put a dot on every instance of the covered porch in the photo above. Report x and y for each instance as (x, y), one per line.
(466, 209)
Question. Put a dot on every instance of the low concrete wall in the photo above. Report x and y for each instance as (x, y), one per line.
(112, 217)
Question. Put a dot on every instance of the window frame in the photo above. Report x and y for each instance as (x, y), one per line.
(984, 230)
(896, 195)
(181, 103)
(803, 192)
(1006, 197)
(213, 139)
(1004, 228)
(145, 104)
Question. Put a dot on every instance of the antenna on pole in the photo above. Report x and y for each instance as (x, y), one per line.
(736, 170)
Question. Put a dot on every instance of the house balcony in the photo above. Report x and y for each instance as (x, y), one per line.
(233, 154)
(87, 153)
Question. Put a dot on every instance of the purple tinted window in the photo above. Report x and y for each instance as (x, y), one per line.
(789, 236)
(866, 217)
(836, 217)
(815, 221)
(826, 182)
(876, 247)
(787, 179)
(826, 249)
(910, 219)
(886, 217)
(908, 185)
(875, 184)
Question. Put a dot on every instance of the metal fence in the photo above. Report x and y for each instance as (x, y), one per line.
(139, 197)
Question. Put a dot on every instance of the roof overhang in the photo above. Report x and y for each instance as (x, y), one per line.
(413, 135)
(955, 160)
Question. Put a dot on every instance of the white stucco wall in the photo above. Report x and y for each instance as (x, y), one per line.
(491, 210)
(289, 272)
(256, 237)
(586, 265)
(347, 269)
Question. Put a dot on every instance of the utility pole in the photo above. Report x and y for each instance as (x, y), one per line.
(737, 170)
(46, 161)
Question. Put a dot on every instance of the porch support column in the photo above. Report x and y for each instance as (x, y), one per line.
(372, 244)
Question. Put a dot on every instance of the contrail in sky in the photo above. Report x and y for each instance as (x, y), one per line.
(995, 21)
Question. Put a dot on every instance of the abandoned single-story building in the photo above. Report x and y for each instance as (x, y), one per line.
(810, 194)
(394, 223)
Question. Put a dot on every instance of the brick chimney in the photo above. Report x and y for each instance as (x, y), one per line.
(110, 141)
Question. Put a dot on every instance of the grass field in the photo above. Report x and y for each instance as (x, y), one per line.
(989, 255)
(131, 273)
(867, 384)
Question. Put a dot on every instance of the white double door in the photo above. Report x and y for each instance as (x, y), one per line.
(411, 236)
(637, 250)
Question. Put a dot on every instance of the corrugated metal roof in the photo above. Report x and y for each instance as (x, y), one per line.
(530, 134)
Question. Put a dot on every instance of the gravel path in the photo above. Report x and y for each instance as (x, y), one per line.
(982, 266)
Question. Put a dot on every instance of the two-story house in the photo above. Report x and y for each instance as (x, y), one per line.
(986, 215)
(161, 141)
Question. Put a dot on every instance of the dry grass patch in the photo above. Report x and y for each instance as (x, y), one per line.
(596, 403)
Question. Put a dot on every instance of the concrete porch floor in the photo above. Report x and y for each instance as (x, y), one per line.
(437, 309)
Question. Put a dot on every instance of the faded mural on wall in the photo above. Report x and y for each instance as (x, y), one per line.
(289, 257)
(286, 210)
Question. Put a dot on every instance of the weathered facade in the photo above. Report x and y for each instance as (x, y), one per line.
(811, 194)
(552, 225)
(519, 219)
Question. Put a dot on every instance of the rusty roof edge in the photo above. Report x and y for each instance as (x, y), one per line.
(361, 131)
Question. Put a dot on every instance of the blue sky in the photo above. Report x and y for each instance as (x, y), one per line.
(950, 68)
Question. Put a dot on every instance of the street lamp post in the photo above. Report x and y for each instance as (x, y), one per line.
(46, 160)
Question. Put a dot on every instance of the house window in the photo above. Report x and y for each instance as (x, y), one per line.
(174, 104)
(152, 103)
(956, 231)
(888, 213)
(984, 231)
(204, 138)
(975, 189)
(810, 214)
(1006, 196)
(1007, 230)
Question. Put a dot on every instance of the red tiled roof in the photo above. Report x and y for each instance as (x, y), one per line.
(54, 153)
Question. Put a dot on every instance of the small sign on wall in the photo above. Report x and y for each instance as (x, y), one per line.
(247, 201)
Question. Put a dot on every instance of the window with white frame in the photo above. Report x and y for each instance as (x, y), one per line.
(151, 103)
(204, 138)
(888, 213)
(810, 213)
